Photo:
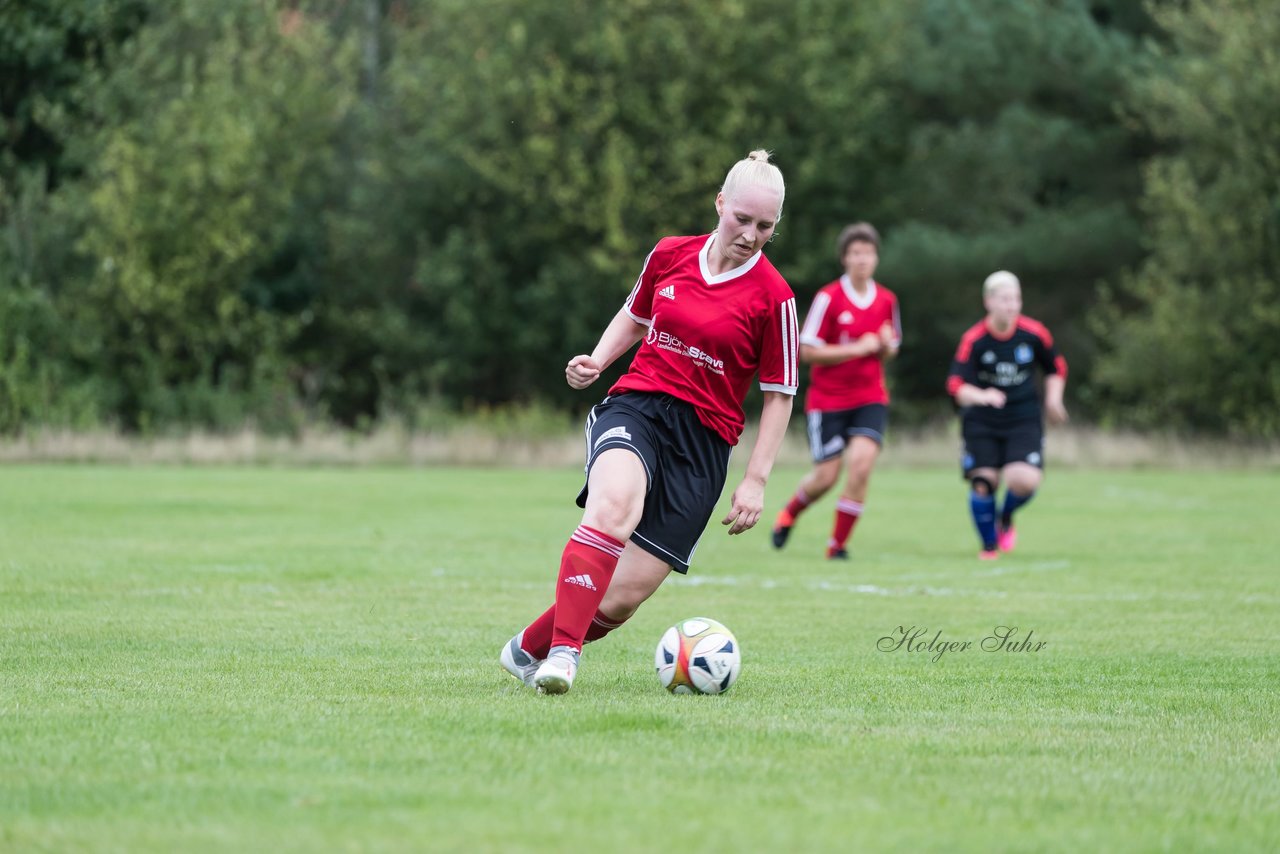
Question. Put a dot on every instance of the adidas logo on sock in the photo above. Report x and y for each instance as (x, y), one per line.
(581, 581)
(669, 292)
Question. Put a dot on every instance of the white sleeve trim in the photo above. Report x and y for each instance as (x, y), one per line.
(785, 389)
(643, 321)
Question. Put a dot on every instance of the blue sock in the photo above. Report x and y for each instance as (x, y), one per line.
(1012, 501)
(984, 518)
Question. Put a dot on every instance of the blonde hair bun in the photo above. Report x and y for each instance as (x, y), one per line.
(755, 170)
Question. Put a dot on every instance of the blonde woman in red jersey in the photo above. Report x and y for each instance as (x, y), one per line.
(851, 330)
(710, 314)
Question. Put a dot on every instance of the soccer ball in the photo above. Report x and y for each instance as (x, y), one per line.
(697, 656)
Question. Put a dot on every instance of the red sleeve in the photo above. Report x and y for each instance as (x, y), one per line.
(779, 363)
(639, 303)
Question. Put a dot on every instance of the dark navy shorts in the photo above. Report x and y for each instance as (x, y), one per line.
(988, 446)
(686, 465)
(830, 432)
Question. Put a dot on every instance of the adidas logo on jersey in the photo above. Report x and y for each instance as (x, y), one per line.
(581, 581)
(845, 317)
(669, 292)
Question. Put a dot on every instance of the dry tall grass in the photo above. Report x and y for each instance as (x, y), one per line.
(1074, 446)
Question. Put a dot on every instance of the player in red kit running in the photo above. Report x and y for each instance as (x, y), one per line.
(992, 379)
(851, 330)
(710, 313)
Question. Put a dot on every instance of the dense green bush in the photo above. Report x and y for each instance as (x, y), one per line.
(41, 379)
(1193, 336)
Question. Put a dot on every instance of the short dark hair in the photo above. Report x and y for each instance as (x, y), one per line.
(859, 231)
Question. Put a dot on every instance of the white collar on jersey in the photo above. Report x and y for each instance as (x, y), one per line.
(740, 270)
(859, 301)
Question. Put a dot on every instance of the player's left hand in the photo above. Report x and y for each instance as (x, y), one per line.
(869, 343)
(748, 504)
(1055, 412)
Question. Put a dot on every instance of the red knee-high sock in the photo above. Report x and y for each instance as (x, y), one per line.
(847, 513)
(601, 626)
(585, 571)
(537, 637)
(796, 505)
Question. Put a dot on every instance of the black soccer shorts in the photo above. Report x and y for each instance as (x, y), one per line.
(989, 446)
(830, 432)
(686, 464)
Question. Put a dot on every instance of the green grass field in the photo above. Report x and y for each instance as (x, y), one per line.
(222, 659)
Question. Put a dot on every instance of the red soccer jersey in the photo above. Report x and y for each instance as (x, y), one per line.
(709, 335)
(839, 315)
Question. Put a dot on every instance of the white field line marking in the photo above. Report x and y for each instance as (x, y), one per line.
(829, 587)
(1041, 566)
(824, 586)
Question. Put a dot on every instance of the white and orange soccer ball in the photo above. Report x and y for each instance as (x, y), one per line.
(698, 656)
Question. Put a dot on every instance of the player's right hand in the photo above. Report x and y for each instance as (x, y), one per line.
(994, 398)
(581, 372)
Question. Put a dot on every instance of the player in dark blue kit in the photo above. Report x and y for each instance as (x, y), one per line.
(993, 382)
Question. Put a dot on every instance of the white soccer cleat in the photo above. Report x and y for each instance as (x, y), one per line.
(555, 676)
(517, 662)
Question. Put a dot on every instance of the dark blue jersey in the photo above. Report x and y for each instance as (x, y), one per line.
(989, 360)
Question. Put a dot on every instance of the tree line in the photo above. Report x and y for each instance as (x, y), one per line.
(272, 212)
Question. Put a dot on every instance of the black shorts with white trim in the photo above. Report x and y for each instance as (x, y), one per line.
(830, 432)
(686, 464)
